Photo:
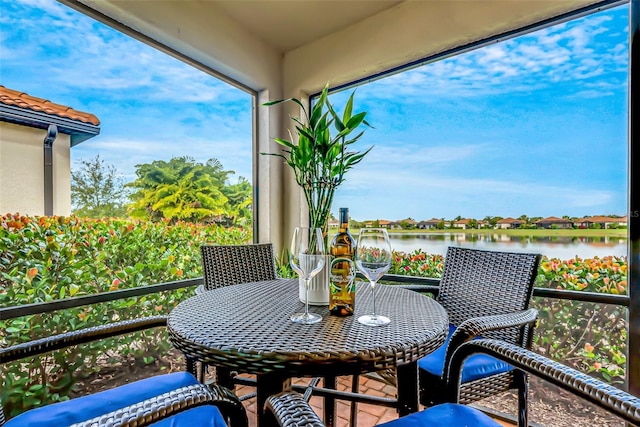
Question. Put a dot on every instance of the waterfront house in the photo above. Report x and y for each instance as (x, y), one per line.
(431, 224)
(601, 222)
(464, 223)
(554, 222)
(509, 223)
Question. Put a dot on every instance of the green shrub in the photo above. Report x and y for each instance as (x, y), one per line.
(49, 258)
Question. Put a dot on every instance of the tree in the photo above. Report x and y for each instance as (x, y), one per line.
(182, 189)
(240, 196)
(97, 191)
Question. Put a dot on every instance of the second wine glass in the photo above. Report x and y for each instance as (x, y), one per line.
(373, 258)
(307, 258)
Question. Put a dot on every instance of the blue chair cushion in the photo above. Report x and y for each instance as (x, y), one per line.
(201, 416)
(447, 414)
(94, 405)
(475, 367)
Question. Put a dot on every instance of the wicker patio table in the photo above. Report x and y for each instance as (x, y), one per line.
(247, 327)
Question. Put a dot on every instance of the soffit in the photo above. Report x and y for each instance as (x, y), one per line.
(287, 24)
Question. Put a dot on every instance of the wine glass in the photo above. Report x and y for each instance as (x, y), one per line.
(307, 258)
(373, 258)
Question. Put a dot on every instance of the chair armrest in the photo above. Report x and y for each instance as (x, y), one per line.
(168, 404)
(291, 410)
(612, 399)
(82, 336)
(476, 326)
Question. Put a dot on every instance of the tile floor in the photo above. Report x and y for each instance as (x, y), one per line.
(368, 415)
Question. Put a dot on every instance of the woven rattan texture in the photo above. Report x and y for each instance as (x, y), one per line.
(230, 265)
(479, 283)
(247, 327)
(171, 403)
(291, 410)
(607, 396)
(44, 345)
(289, 407)
(485, 293)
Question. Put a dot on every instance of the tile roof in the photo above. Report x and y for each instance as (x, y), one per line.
(26, 101)
(509, 220)
(553, 219)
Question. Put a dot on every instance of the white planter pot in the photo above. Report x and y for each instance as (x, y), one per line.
(319, 286)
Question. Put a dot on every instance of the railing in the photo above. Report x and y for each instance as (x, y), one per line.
(418, 284)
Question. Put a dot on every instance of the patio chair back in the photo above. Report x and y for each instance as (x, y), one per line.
(224, 265)
(478, 283)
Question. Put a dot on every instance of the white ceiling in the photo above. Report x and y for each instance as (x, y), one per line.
(287, 24)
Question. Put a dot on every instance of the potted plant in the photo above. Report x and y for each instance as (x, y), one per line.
(322, 154)
(321, 158)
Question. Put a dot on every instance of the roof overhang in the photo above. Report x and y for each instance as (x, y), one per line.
(78, 131)
(302, 44)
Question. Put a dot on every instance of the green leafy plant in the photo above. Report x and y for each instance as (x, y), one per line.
(320, 159)
(50, 258)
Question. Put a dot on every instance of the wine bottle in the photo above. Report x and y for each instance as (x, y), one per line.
(342, 295)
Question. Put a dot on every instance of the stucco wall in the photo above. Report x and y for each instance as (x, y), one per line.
(22, 171)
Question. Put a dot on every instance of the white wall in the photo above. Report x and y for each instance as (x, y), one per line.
(22, 171)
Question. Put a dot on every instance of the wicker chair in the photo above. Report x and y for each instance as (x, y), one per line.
(289, 409)
(176, 399)
(233, 264)
(224, 265)
(485, 293)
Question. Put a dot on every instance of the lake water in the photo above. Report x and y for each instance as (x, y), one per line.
(563, 248)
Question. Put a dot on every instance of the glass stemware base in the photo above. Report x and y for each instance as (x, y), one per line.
(374, 320)
(305, 318)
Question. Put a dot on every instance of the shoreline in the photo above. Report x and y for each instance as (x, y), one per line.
(621, 233)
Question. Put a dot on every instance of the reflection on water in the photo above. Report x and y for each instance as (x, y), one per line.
(563, 247)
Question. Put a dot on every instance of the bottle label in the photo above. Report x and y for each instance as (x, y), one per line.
(342, 275)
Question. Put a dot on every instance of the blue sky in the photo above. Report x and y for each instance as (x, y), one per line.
(536, 125)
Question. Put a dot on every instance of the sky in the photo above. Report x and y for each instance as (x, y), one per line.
(535, 125)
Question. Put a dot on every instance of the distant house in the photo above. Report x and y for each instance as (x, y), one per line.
(484, 224)
(36, 137)
(509, 223)
(463, 223)
(385, 223)
(554, 222)
(333, 223)
(428, 225)
(602, 221)
(407, 222)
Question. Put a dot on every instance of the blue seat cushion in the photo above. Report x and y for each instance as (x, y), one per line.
(447, 414)
(201, 416)
(475, 367)
(87, 407)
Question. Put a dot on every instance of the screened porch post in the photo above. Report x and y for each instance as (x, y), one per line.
(633, 361)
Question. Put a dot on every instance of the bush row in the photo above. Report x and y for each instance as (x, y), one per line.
(49, 258)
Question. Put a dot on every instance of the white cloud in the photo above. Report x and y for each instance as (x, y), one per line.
(568, 52)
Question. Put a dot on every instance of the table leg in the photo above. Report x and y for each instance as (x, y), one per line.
(407, 388)
(190, 365)
(329, 401)
(224, 378)
(267, 385)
